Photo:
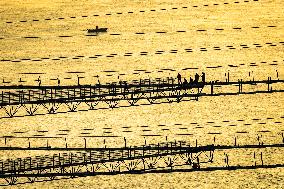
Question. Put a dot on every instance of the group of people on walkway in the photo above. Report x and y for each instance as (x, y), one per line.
(179, 78)
(191, 80)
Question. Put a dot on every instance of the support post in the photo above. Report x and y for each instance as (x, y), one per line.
(228, 77)
(241, 85)
(2, 97)
(254, 158)
(227, 160)
(268, 83)
(212, 87)
(66, 144)
(124, 142)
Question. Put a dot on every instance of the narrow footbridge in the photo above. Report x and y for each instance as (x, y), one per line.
(31, 98)
(81, 162)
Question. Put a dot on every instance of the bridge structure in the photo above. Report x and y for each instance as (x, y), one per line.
(154, 158)
(31, 98)
(105, 161)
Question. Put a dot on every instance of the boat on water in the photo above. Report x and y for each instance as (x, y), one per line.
(97, 30)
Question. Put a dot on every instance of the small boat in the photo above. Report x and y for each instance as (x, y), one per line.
(97, 30)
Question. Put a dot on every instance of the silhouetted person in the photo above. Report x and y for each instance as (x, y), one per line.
(185, 83)
(203, 77)
(58, 81)
(39, 81)
(196, 78)
(179, 78)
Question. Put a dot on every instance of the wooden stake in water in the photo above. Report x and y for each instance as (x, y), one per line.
(124, 142)
(254, 159)
(66, 143)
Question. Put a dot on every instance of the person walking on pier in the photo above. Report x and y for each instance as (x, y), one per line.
(185, 83)
(179, 78)
(39, 81)
(203, 77)
(196, 78)
(58, 81)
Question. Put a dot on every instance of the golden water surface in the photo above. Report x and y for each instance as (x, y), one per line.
(248, 34)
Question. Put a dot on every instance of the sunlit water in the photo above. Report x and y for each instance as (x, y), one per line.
(257, 25)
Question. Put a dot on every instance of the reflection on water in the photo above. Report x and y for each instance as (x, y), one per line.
(148, 40)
